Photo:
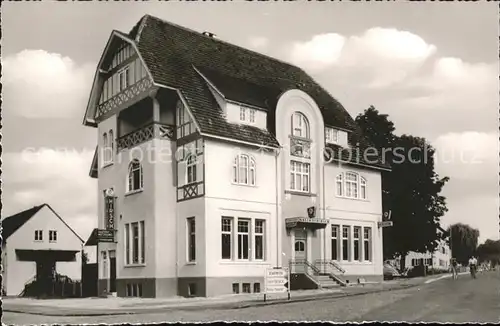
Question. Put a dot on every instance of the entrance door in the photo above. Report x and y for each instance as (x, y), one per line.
(112, 271)
(300, 250)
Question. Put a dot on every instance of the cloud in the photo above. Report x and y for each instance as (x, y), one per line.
(56, 177)
(258, 42)
(379, 57)
(40, 84)
(321, 51)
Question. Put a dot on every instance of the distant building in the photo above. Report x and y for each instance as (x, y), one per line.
(257, 143)
(37, 243)
(439, 259)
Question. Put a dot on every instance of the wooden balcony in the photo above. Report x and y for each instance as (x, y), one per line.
(142, 135)
(134, 92)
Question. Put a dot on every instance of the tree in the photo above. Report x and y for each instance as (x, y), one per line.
(463, 242)
(411, 190)
(489, 251)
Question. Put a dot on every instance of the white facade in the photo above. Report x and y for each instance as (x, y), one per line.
(439, 259)
(17, 273)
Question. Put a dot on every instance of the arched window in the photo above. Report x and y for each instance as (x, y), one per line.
(340, 185)
(350, 185)
(111, 144)
(244, 170)
(105, 148)
(362, 188)
(300, 246)
(300, 125)
(191, 168)
(135, 178)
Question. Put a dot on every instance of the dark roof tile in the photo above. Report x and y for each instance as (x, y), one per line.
(12, 223)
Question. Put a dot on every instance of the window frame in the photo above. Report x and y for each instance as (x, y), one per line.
(191, 169)
(332, 135)
(135, 166)
(296, 172)
(226, 232)
(191, 239)
(250, 170)
(299, 122)
(367, 242)
(247, 115)
(259, 234)
(356, 239)
(358, 188)
(346, 239)
(242, 254)
(52, 236)
(38, 236)
(130, 245)
(335, 238)
(125, 72)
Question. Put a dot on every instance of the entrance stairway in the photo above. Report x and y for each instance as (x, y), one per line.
(323, 274)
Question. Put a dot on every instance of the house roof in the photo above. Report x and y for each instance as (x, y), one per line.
(175, 55)
(92, 240)
(14, 222)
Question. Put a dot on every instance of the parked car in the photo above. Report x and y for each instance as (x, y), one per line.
(390, 272)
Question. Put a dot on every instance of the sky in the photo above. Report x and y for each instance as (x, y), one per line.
(432, 67)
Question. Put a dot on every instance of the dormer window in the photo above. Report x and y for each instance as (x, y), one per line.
(247, 115)
(332, 135)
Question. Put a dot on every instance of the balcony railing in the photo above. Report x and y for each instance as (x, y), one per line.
(153, 130)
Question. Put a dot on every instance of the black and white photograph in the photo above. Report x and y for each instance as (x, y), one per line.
(204, 161)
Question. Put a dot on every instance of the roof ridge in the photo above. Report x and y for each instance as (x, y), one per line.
(222, 41)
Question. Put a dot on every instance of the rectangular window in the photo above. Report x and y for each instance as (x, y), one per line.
(351, 185)
(236, 288)
(226, 243)
(242, 114)
(299, 176)
(191, 239)
(52, 236)
(123, 78)
(332, 135)
(357, 245)
(38, 235)
(104, 259)
(142, 243)
(246, 288)
(243, 237)
(127, 244)
(243, 169)
(251, 115)
(345, 242)
(256, 287)
(340, 185)
(367, 238)
(192, 289)
(135, 243)
(335, 242)
(259, 239)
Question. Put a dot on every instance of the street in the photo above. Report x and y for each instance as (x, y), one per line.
(446, 300)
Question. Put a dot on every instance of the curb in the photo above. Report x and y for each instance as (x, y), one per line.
(219, 306)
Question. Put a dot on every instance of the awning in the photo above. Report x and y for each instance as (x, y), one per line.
(47, 254)
(304, 222)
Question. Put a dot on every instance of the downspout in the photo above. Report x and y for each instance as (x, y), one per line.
(278, 229)
(324, 209)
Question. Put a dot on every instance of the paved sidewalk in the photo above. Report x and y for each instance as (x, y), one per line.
(122, 306)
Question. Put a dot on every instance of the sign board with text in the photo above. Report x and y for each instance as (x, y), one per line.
(105, 235)
(385, 224)
(277, 281)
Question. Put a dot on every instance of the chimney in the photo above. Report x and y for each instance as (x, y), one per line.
(212, 35)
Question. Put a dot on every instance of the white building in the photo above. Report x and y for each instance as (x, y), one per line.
(36, 242)
(210, 155)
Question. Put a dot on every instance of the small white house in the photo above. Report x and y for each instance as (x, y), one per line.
(37, 242)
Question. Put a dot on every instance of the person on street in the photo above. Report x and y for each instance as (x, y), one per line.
(454, 268)
(473, 266)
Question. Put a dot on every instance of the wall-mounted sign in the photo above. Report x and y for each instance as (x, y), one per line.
(311, 212)
(385, 224)
(307, 222)
(105, 235)
(109, 212)
(387, 216)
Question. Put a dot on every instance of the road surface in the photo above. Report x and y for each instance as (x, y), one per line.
(446, 300)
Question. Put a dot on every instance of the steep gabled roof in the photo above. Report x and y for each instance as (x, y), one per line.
(14, 222)
(92, 239)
